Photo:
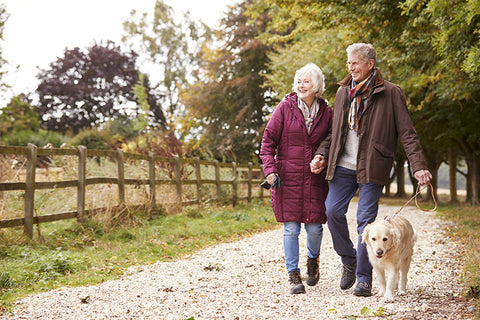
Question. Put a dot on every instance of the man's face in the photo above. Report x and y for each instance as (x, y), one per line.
(359, 69)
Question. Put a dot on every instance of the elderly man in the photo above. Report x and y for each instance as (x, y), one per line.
(369, 115)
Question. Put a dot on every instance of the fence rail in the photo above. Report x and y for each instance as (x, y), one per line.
(32, 152)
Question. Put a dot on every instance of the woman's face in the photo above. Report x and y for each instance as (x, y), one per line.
(305, 89)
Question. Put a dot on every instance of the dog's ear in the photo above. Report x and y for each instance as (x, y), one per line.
(365, 232)
(395, 236)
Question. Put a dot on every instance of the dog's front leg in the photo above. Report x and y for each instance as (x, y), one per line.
(404, 267)
(392, 280)
(381, 280)
(403, 279)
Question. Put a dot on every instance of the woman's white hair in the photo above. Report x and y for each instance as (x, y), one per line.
(312, 71)
(365, 50)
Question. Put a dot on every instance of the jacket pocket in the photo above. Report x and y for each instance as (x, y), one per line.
(385, 152)
(381, 163)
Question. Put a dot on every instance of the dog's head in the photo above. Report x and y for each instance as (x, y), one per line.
(381, 237)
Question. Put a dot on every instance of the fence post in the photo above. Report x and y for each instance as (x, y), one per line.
(217, 180)
(178, 181)
(30, 188)
(250, 175)
(261, 189)
(199, 178)
(121, 179)
(151, 175)
(82, 181)
(234, 184)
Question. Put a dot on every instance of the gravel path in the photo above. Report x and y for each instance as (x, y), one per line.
(246, 279)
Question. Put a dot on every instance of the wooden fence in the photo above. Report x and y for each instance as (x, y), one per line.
(31, 152)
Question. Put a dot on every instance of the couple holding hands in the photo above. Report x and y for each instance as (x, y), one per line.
(321, 157)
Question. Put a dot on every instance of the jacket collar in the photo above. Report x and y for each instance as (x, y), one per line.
(292, 98)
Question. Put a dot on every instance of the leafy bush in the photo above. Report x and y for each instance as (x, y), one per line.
(40, 138)
(120, 128)
(51, 266)
(91, 139)
(193, 212)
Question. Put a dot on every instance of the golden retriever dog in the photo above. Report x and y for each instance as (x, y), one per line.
(390, 248)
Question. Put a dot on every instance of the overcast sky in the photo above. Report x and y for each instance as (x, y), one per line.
(38, 31)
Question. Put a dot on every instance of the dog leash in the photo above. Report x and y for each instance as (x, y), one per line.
(415, 196)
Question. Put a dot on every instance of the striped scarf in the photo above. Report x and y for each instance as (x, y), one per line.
(358, 94)
(309, 114)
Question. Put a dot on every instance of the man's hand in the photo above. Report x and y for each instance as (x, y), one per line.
(318, 163)
(423, 176)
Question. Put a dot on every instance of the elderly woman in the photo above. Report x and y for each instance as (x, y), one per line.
(300, 124)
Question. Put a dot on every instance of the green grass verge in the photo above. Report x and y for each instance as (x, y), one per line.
(466, 231)
(68, 253)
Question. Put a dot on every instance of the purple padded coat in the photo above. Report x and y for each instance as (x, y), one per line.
(287, 149)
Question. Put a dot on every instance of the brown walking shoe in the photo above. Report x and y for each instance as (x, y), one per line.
(296, 280)
(313, 275)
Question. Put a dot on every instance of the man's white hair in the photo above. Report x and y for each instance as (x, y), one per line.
(365, 50)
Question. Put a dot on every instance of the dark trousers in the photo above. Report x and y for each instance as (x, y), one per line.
(342, 189)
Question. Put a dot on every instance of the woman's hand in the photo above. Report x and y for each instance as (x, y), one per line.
(318, 163)
(271, 177)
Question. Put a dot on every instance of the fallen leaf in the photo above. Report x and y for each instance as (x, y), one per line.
(87, 299)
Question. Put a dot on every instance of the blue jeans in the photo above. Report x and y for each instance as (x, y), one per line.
(342, 189)
(291, 231)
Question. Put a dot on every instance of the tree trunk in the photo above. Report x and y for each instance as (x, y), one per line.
(434, 182)
(400, 159)
(387, 189)
(452, 169)
(472, 181)
(473, 174)
(468, 186)
(412, 178)
(475, 179)
(388, 186)
(400, 168)
(434, 159)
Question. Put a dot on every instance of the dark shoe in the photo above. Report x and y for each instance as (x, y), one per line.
(363, 289)
(296, 280)
(348, 276)
(312, 271)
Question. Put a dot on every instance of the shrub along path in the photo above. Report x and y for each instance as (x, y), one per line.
(246, 279)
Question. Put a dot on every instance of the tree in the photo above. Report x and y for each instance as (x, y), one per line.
(3, 18)
(20, 125)
(454, 101)
(171, 50)
(227, 109)
(429, 47)
(85, 89)
(18, 115)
